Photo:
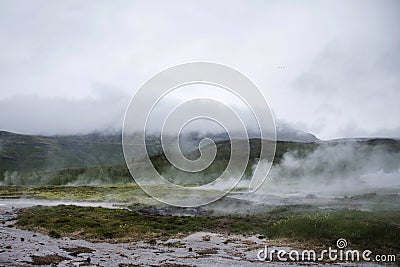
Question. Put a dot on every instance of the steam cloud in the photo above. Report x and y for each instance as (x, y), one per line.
(335, 170)
(330, 170)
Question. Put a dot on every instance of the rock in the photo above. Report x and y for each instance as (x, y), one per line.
(311, 196)
(166, 211)
(73, 254)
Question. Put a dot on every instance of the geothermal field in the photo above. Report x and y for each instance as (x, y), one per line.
(94, 214)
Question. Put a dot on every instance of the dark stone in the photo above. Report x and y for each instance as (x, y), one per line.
(74, 254)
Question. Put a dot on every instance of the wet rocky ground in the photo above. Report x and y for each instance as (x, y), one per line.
(27, 248)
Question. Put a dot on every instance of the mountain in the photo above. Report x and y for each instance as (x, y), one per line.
(286, 133)
(98, 158)
(26, 152)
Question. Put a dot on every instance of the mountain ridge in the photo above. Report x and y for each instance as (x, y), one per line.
(28, 152)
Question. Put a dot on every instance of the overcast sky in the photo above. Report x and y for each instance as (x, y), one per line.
(327, 67)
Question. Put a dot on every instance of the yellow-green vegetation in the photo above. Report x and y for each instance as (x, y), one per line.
(116, 193)
(375, 231)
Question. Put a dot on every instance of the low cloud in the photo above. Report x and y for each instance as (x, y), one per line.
(33, 114)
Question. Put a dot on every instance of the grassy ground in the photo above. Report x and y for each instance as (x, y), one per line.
(120, 194)
(114, 193)
(379, 232)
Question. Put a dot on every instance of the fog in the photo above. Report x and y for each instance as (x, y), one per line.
(34, 114)
(326, 67)
(335, 170)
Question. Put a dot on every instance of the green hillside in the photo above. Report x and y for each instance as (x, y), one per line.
(96, 158)
(30, 152)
